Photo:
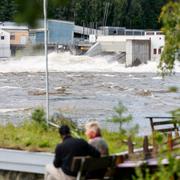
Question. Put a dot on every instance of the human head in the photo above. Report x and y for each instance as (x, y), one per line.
(64, 130)
(92, 130)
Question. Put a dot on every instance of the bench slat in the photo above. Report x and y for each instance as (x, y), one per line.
(166, 129)
(163, 123)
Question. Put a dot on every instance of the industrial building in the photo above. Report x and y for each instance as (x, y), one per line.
(59, 33)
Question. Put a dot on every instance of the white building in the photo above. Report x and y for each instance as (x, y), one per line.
(5, 51)
(157, 40)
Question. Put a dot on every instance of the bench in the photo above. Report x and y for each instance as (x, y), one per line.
(98, 167)
(163, 124)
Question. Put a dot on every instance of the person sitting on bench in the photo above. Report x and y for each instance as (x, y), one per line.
(93, 133)
(64, 153)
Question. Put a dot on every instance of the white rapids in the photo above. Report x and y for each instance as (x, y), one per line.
(66, 62)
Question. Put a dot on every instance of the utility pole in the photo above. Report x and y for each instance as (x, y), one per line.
(46, 59)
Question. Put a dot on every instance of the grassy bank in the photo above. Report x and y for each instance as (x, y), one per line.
(33, 136)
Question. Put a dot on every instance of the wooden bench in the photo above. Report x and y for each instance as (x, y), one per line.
(98, 167)
(163, 124)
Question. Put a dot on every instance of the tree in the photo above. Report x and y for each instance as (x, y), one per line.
(7, 10)
(30, 11)
(151, 12)
(123, 119)
(170, 18)
(134, 14)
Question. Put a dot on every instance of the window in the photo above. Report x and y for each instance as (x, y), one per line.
(149, 33)
(2, 37)
(12, 37)
(155, 51)
(159, 51)
(159, 33)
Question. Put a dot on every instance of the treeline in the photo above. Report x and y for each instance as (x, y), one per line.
(126, 13)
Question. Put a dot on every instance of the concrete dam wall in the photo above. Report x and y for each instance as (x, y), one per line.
(135, 48)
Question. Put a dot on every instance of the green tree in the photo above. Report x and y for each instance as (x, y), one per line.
(151, 12)
(123, 119)
(7, 10)
(170, 18)
(134, 14)
(30, 11)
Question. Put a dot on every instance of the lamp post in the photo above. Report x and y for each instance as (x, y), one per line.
(46, 59)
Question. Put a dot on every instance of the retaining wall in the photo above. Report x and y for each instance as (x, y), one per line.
(14, 175)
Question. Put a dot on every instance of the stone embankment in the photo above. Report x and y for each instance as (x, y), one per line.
(13, 175)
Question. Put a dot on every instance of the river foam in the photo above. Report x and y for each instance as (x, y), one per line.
(66, 62)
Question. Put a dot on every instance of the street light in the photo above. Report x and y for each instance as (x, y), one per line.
(46, 59)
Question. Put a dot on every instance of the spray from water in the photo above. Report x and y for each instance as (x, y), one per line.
(66, 62)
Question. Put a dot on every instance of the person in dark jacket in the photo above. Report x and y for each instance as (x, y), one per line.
(64, 153)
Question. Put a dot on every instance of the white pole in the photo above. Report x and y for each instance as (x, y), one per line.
(46, 59)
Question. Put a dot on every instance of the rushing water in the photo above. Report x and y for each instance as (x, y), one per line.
(85, 88)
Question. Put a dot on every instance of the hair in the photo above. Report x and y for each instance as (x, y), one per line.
(93, 126)
(64, 130)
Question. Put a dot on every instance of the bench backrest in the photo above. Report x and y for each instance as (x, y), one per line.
(84, 165)
(163, 124)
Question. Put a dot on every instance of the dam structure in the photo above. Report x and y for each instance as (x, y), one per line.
(133, 47)
(129, 49)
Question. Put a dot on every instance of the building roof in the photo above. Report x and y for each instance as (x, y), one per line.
(12, 26)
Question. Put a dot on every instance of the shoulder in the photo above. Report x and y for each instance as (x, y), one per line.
(97, 139)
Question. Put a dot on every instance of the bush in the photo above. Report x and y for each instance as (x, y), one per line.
(123, 120)
(60, 120)
(38, 115)
(173, 89)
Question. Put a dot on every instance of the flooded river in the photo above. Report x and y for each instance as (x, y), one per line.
(84, 88)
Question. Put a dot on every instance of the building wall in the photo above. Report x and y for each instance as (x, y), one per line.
(4, 44)
(59, 32)
(117, 43)
(19, 37)
(137, 52)
(157, 43)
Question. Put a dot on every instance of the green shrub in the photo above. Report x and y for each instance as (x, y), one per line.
(123, 119)
(60, 120)
(38, 115)
(176, 115)
(173, 89)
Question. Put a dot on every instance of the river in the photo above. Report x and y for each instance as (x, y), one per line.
(85, 88)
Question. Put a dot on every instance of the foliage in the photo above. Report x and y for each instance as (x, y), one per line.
(60, 120)
(30, 11)
(124, 13)
(7, 9)
(31, 136)
(34, 135)
(162, 172)
(123, 120)
(176, 115)
(173, 89)
(38, 115)
(170, 18)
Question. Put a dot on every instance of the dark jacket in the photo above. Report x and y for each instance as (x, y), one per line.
(69, 148)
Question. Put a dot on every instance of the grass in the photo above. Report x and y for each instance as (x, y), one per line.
(28, 136)
(32, 136)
